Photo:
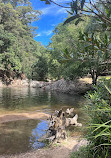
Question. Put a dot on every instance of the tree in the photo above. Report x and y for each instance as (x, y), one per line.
(55, 68)
(96, 54)
(40, 69)
(81, 8)
(18, 50)
(89, 51)
(15, 2)
(65, 54)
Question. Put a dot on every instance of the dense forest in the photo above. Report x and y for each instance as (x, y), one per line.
(19, 52)
(80, 45)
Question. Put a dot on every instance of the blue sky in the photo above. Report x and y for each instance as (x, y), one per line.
(51, 16)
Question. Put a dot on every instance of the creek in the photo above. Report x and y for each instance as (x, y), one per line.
(22, 135)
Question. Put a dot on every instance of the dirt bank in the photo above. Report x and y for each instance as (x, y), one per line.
(62, 150)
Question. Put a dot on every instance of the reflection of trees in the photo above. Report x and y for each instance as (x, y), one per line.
(24, 98)
(65, 99)
(14, 136)
(13, 97)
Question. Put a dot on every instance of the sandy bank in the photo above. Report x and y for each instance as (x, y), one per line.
(22, 116)
(62, 150)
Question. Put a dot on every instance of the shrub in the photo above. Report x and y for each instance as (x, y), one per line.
(99, 128)
(82, 153)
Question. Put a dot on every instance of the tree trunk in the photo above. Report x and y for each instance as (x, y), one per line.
(94, 76)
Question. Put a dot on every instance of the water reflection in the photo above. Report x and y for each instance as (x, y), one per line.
(38, 132)
(21, 136)
(21, 98)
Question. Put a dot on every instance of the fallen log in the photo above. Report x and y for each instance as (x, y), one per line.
(57, 126)
(70, 112)
(73, 121)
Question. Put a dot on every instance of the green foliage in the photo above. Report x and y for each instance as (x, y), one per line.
(18, 50)
(86, 51)
(87, 45)
(99, 125)
(40, 69)
(15, 2)
(65, 49)
(101, 10)
(99, 130)
(74, 70)
(71, 19)
(82, 153)
(55, 69)
(96, 51)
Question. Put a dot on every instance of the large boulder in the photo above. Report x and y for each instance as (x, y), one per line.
(19, 82)
(70, 87)
(38, 84)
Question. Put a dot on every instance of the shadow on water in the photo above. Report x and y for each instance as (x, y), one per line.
(21, 136)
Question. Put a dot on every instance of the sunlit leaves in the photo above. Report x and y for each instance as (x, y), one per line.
(78, 20)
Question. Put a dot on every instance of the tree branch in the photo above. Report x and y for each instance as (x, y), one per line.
(102, 16)
(59, 4)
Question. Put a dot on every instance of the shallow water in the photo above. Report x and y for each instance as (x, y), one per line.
(22, 136)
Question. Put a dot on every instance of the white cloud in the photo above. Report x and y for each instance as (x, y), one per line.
(45, 33)
(53, 10)
(62, 11)
(53, 25)
(45, 10)
(48, 10)
(39, 34)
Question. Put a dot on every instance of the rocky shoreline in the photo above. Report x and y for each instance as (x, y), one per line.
(79, 86)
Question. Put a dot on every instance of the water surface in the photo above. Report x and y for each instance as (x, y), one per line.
(27, 98)
(22, 136)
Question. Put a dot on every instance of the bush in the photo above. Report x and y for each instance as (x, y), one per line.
(82, 153)
(99, 129)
